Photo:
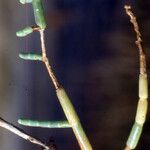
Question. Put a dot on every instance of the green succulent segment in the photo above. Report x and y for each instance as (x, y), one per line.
(73, 119)
(30, 56)
(143, 87)
(39, 13)
(134, 135)
(25, 1)
(141, 111)
(67, 106)
(44, 124)
(24, 32)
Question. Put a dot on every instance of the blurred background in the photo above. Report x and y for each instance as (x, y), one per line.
(91, 47)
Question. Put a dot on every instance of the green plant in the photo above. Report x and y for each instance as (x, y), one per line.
(71, 115)
(143, 88)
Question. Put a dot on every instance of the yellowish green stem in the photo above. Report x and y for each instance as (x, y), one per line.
(73, 119)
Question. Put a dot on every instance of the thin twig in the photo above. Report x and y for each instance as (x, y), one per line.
(138, 40)
(46, 61)
(15, 130)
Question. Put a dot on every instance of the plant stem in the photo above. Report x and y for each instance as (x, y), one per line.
(15, 130)
(138, 41)
(143, 88)
(65, 102)
(46, 61)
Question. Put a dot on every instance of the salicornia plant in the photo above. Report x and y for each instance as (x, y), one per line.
(71, 115)
(69, 111)
(143, 88)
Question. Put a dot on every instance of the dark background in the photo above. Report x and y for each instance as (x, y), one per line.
(90, 45)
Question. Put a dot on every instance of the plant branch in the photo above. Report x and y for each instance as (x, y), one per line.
(65, 102)
(142, 106)
(46, 61)
(15, 130)
(138, 40)
(71, 115)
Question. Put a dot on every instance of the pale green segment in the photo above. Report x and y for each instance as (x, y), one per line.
(44, 124)
(24, 32)
(141, 111)
(73, 119)
(134, 135)
(143, 87)
(30, 56)
(39, 13)
(25, 1)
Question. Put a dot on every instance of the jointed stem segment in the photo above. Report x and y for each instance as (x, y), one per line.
(44, 124)
(143, 88)
(31, 56)
(73, 119)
